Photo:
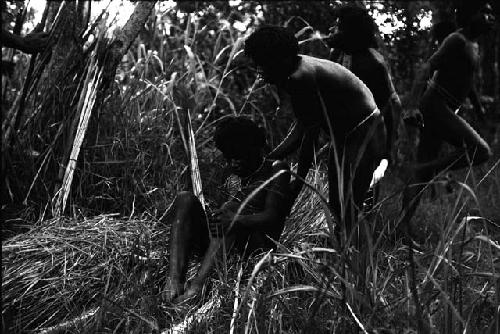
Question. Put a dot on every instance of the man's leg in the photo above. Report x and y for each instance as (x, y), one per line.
(372, 145)
(347, 197)
(428, 151)
(362, 153)
(471, 148)
(336, 193)
(215, 244)
(189, 230)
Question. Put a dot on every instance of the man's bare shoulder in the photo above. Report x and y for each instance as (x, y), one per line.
(311, 67)
(377, 58)
(455, 39)
(305, 70)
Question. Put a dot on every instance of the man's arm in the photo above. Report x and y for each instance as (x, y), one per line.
(290, 143)
(396, 110)
(419, 84)
(31, 43)
(446, 50)
(306, 157)
(476, 103)
(274, 212)
(11, 40)
(276, 207)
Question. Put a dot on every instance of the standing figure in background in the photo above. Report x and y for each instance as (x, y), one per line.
(355, 47)
(452, 68)
(259, 223)
(441, 30)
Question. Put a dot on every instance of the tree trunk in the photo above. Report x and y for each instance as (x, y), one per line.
(106, 58)
(496, 68)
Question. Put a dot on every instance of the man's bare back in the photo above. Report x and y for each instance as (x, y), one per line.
(347, 100)
(456, 52)
(370, 67)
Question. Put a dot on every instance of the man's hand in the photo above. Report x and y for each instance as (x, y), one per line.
(480, 111)
(295, 188)
(413, 116)
(191, 293)
(34, 42)
(221, 221)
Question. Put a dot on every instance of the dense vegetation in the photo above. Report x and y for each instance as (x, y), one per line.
(94, 151)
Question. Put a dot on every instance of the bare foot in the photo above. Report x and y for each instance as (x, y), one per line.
(172, 290)
(192, 292)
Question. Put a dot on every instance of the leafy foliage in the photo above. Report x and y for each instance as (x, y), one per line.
(134, 161)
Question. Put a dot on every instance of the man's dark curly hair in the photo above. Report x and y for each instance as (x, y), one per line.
(239, 133)
(442, 29)
(466, 9)
(357, 28)
(271, 43)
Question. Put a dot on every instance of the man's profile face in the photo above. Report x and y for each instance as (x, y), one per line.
(269, 73)
(242, 161)
(273, 72)
(483, 20)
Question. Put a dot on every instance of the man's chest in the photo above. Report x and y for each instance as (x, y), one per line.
(253, 192)
(470, 55)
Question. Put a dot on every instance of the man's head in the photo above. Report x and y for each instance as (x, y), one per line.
(442, 29)
(476, 15)
(274, 50)
(355, 29)
(242, 143)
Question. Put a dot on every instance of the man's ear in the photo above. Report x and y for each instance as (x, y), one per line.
(262, 140)
(262, 136)
(337, 40)
(240, 59)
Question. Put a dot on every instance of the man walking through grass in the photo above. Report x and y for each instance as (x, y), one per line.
(452, 68)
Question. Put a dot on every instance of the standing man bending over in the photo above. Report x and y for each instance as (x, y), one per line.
(452, 68)
(260, 222)
(324, 96)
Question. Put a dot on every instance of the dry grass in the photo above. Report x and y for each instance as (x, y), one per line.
(105, 275)
(63, 268)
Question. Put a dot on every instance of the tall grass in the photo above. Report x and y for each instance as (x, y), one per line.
(92, 273)
(105, 274)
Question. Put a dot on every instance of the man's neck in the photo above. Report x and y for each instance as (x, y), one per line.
(293, 65)
(292, 68)
(470, 34)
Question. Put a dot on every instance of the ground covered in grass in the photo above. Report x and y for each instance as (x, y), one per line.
(106, 273)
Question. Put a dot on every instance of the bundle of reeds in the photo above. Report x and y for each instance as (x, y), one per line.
(62, 268)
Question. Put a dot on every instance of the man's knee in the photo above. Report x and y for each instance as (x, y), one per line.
(186, 199)
(481, 153)
(231, 206)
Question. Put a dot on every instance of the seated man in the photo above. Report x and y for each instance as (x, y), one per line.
(324, 96)
(260, 221)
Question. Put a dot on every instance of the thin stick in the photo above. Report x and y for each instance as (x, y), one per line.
(236, 300)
